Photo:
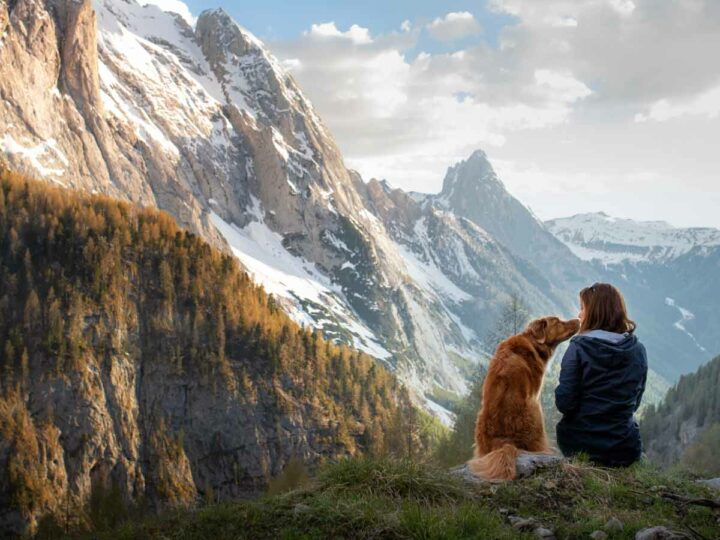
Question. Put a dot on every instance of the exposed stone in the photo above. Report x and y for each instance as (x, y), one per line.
(542, 532)
(613, 525)
(659, 533)
(713, 483)
(522, 524)
(598, 535)
(528, 464)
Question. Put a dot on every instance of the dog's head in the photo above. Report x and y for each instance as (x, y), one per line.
(551, 331)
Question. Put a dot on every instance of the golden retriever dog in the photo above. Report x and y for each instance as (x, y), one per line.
(510, 418)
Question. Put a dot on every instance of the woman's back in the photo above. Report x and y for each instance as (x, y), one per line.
(602, 383)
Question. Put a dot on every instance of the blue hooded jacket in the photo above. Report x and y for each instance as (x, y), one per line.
(602, 380)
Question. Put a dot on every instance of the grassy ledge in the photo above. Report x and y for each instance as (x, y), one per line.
(362, 498)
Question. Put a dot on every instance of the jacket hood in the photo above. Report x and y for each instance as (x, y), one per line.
(609, 348)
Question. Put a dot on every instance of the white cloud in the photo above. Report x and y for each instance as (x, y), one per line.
(559, 91)
(292, 64)
(356, 34)
(704, 104)
(561, 86)
(455, 25)
(173, 6)
(559, 21)
(623, 7)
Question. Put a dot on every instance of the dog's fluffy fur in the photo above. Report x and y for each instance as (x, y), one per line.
(510, 419)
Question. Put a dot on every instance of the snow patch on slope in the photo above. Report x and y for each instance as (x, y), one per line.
(285, 275)
(154, 76)
(685, 316)
(446, 417)
(422, 268)
(173, 6)
(32, 155)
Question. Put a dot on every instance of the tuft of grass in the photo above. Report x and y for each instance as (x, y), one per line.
(395, 478)
(293, 476)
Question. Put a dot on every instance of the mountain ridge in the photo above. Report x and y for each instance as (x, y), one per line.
(205, 124)
(615, 240)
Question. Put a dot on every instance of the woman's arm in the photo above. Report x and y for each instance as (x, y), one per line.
(567, 394)
(643, 381)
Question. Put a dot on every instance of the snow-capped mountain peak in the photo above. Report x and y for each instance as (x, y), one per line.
(613, 240)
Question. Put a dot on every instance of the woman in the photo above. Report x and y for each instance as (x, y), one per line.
(602, 380)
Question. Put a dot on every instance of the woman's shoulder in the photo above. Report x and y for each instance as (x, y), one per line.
(605, 336)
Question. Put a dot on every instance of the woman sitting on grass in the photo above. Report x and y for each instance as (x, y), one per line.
(602, 380)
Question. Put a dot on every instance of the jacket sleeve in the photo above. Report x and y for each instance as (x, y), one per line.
(567, 394)
(643, 382)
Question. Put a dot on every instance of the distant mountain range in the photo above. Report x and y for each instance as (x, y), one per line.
(615, 241)
(114, 98)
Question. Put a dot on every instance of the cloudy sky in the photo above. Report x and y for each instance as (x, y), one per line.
(581, 105)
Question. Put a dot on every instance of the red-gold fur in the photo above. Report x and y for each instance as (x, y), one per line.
(510, 418)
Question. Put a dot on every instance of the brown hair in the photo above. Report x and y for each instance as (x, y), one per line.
(604, 309)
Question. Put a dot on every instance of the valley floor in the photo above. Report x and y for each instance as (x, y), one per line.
(402, 499)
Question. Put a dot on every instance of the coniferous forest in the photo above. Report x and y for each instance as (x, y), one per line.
(137, 357)
(685, 426)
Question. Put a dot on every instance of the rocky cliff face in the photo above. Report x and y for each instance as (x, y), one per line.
(134, 357)
(115, 98)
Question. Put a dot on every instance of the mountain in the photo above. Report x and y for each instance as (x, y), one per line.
(668, 275)
(685, 426)
(114, 98)
(611, 240)
(472, 189)
(136, 357)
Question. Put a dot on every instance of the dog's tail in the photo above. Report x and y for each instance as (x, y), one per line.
(497, 465)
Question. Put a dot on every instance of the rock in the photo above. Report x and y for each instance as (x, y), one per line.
(713, 483)
(463, 471)
(658, 533)
(300, 508)
(598, 535)
(613, 525)
(542, 532)
(522, 524)
(527, 464)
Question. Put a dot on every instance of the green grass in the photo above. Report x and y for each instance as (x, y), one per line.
(363, 498)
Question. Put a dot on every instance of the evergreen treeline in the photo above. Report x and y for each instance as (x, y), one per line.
(695, 402)
(86, 278)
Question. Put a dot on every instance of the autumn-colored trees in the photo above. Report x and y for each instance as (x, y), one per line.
(80, 273)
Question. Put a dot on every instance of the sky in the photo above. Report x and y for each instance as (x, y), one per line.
(581, 105)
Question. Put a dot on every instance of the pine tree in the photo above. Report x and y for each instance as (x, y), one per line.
(512, 320)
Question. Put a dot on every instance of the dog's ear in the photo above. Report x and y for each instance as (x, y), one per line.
(538, 330)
